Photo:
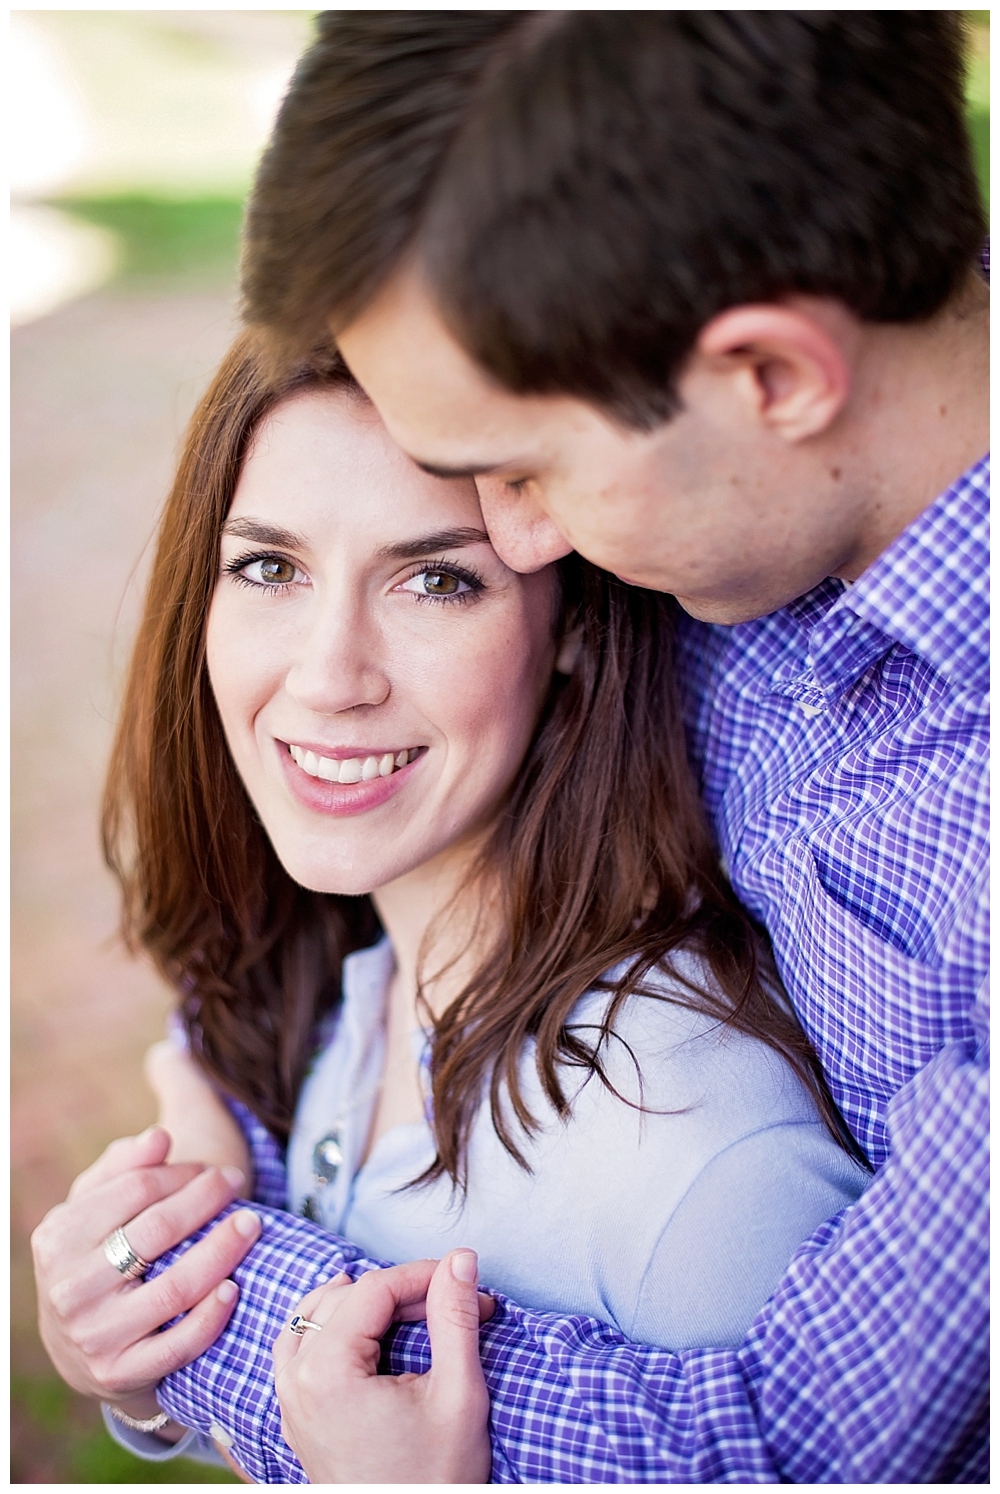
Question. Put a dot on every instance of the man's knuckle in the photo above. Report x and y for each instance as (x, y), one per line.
(462, 1316)
(147, 1187)
(171, 1296)
(166, 1355)
(88, 1342)
(113, 1382)
(62, 1299)
(44, 1238)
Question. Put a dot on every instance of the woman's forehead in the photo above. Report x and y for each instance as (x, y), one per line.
(326, 453)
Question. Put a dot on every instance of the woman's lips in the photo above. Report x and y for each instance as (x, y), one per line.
(356, 793)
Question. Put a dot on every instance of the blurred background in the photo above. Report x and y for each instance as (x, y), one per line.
(134, 138)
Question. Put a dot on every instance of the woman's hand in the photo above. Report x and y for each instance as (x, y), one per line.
(201, 1128)
(101, 1331)
(350, 1425)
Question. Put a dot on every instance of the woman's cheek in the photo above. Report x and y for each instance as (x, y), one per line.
(508, 678)
(246, 656)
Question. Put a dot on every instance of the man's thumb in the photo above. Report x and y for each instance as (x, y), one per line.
(453, 1327)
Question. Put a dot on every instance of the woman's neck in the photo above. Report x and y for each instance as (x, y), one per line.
(431, 922)
(424, 942)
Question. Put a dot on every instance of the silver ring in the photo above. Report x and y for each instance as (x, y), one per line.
(124, 1259)
(299, 1324)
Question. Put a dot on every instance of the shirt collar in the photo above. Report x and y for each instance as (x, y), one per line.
(364, 983)
(928, 591)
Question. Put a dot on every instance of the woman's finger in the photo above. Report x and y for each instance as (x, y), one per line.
(74, 1229)
(112, 1347)
(168, 1220)
(146, 1150)
(148, 1361)
(355, 1320)
(153, 1233)
(120, 1201)
(312, 1305)
(453, 1328)
(287, 1344)
(129, 1317)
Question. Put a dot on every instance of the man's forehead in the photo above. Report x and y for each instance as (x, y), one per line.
(447, 412)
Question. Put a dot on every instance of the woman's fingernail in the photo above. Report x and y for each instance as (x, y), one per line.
(227, 1291)
(247, 1222)
(465, 1266)
(341, 1279)
(234, 1177)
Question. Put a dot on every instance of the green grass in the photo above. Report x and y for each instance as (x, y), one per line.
(979, 130)
(59, 1438)
(102, 1461)
(176, 239)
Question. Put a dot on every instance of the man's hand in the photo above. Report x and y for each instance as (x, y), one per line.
(350, 1425)
(101, 1330)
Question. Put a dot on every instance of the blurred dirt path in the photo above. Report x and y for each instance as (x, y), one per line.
(101, 392)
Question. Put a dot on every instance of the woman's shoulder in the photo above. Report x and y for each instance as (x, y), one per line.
(664, 1051)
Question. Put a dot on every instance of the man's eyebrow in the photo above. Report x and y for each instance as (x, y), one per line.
(264, 534)
(436, 541)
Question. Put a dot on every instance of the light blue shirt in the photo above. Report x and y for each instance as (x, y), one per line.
(674, 1223)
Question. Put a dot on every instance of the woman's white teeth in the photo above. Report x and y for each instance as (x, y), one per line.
(351, 769)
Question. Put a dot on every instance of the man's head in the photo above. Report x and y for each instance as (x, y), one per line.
(625, 257)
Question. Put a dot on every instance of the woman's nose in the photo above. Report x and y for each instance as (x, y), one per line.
(339, 663)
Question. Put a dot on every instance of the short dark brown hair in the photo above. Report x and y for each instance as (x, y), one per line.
(586, 189)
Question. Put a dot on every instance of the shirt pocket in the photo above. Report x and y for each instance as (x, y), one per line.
(875, 1014)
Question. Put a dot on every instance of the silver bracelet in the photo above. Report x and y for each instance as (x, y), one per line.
(135, 1424)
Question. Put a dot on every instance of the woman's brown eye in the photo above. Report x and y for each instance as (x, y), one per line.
(277, 572)
(440, 584)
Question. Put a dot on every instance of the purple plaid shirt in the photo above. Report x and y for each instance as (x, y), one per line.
(842, 747)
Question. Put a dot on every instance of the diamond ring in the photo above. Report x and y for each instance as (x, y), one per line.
(299, 1325)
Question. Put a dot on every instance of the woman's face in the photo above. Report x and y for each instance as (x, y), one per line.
(378, 670)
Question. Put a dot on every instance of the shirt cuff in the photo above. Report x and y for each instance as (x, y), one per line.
(152, 1449)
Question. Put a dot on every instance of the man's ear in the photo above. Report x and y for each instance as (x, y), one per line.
(791, 361)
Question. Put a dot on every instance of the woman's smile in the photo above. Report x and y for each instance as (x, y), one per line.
(341, 781)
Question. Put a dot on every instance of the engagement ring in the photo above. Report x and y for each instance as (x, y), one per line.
(299, 1324)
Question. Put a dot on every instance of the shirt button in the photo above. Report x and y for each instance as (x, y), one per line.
(810, 710)
(327, 1157)
(220, 1435)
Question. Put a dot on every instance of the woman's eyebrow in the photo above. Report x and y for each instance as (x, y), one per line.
(438, 539)
(264, 534)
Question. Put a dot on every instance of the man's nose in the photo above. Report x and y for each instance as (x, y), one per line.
(338, 664)
(520, 531)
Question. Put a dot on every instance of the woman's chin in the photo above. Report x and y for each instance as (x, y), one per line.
(333, 884)
(355, 878)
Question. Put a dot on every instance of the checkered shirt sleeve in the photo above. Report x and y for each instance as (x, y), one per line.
(267, 1158)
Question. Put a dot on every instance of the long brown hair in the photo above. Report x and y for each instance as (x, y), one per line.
(602, 854)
